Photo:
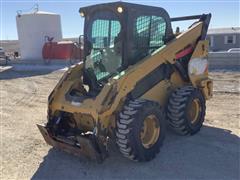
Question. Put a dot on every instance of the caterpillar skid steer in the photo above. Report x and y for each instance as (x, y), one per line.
(136, 79)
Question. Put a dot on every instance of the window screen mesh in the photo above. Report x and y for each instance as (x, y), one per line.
(100, 33)
(149, 32)
(115, 29)
(103, 35)
(157, 32)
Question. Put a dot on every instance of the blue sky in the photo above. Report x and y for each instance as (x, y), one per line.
(225, 13)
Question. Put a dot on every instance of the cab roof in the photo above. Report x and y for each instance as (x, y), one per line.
(125, 5)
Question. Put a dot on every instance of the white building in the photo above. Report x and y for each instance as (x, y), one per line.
(32, 29)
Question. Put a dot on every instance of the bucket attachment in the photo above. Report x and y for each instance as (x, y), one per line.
(85, 146)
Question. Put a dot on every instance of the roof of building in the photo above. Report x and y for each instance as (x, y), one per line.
(39, 12)
(231, 30)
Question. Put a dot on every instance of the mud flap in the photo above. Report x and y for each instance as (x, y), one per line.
(87, 147)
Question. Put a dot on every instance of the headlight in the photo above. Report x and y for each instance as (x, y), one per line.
(82, 14)
(120, 9)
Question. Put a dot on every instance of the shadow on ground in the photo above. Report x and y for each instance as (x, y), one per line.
(213, 153)
(8, 74)
(11, 73)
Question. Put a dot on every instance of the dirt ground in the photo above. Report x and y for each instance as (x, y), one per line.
(213, 153)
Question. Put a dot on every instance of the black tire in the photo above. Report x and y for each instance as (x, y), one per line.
(179, 107)
(129, 127)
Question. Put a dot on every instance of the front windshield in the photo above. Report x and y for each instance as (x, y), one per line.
(105, 45)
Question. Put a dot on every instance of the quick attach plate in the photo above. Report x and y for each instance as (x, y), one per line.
(87, 147)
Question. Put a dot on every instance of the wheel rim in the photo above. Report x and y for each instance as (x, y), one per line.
(150, 131)
(194, 111)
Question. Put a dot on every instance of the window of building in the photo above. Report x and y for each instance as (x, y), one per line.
(230, 39)
(211, 41)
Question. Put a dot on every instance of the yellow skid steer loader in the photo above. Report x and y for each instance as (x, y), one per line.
(137, 77)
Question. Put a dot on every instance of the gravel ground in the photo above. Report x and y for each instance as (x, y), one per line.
(213, 153)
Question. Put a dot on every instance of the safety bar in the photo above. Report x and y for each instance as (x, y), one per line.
(205, 18)
(185, 18)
